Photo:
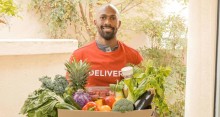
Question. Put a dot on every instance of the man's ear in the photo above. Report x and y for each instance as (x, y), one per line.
(119, 23)
(94, 22)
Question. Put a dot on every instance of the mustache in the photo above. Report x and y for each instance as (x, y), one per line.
(108, 26)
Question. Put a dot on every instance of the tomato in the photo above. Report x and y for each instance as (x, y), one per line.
(109, 100)
(105, 108)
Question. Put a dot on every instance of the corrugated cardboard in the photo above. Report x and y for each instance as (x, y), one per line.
(80, 113)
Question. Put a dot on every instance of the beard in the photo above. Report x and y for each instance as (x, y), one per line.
(107, 35)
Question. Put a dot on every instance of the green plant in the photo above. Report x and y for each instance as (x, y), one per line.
(61, 16)
(175, 82)
(168, 48)
(57, 14)
(7, 8)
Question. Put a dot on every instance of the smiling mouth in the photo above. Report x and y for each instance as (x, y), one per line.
(107, 28)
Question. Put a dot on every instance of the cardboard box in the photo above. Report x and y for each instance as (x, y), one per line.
(80, 113)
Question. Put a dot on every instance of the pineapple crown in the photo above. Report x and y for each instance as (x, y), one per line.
(78, 72)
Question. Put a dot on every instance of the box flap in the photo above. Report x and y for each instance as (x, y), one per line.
(79, 113)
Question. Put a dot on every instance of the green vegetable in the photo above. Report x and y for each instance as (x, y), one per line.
(135, 88)
(123, 105)
(46, 82)
(144, 101)
(65, 106)
(57, 85)
(69, 99)
(145, 79)
(60, 83)
(44, 103)
(117, 89)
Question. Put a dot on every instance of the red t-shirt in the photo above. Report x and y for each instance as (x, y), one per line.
(106, 66)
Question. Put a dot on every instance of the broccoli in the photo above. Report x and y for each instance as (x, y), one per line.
(57, 85)
(60, 83)
(123, 105)
(47, 83)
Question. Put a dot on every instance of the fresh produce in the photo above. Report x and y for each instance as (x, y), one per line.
(117, 89)
(78, 71)
(57, 85)
(105, 108)
(109, 100)
(123, 105)
(144, 101)
(46, 82)
(55, 94)
(69, 99)
(155, 78)
(81, 97)
(44, 103)
(141, 81)
(135, 89)
(90, 106)
(99, 102)
(60, 83)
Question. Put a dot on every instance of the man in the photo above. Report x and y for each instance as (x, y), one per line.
(106, 55)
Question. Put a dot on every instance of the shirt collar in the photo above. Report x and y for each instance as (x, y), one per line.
(106, 48)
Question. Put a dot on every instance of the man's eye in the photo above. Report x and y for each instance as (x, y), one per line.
(102, 18)
(113, 18)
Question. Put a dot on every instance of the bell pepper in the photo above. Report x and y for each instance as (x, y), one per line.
(90, 106)
(99, 103)
(105, 108)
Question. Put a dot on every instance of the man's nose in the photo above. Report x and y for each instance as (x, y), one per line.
(107, 21)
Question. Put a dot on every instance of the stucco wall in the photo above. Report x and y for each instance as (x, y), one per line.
(20, 72)
(201, 54)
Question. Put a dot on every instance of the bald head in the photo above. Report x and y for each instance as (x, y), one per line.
(107, 21)
(105, 7)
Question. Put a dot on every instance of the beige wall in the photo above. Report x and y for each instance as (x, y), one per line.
(20, 72)
(201, 53)
(28, 26)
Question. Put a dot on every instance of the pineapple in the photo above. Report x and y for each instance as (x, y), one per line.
(78, 71)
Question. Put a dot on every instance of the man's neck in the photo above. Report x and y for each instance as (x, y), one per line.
(111, 43)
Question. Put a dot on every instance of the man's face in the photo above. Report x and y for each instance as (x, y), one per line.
(107, 23)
